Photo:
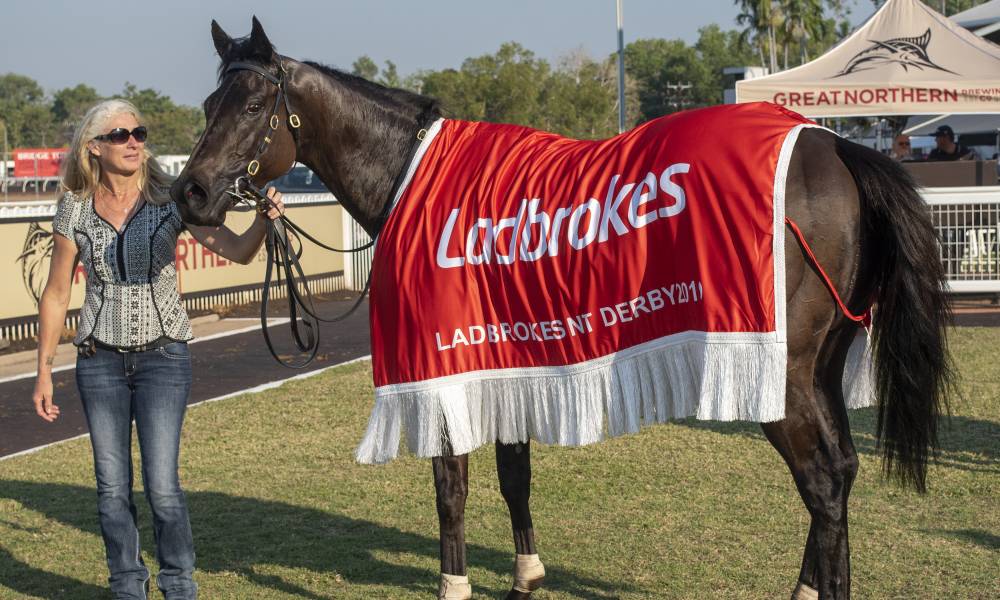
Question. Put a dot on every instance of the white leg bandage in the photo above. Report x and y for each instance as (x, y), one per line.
(529, 573)
(454, 587)
(804, 592)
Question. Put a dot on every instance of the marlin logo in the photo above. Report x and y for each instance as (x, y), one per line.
(34, 260)
(905, 52)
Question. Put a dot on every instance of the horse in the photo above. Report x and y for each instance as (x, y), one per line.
(870, 231)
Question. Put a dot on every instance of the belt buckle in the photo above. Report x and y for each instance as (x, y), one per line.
(87, 349)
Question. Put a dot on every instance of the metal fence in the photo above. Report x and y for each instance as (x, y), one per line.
(357, 265)
(966, 220)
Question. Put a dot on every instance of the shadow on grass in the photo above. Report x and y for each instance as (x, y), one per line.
(28, 580)
(979, 537)
(239, 535)
(959, 437)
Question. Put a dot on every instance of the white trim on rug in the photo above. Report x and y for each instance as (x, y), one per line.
(601, 362)
(418, 156)
(707, 375)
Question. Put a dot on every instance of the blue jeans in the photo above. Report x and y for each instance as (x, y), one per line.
(151, 387)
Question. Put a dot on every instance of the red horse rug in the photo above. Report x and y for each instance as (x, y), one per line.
(529, 286)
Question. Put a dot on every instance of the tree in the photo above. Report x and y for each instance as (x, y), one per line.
(759, 20)
(505, 87)
(25, 112)
(365, 67)
(576, 99)
(173, 129)
(456, 92)
(717, 50)
(390, 77)
(800, 29)
(945, 7)
(669, 76)
(68, 107)
(580, 98)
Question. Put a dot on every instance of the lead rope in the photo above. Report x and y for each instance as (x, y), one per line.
(281, 255)
(284, 258)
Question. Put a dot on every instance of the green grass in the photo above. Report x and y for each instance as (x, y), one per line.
(684, 510)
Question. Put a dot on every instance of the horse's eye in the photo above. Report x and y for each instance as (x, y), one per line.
(254, 108)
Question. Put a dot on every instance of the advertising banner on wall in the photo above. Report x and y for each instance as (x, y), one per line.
(38, 162)
(26, 251)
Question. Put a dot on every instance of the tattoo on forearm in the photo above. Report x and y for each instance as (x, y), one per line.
(49, 360)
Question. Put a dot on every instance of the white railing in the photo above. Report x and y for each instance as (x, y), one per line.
(967, 221)
(357, 265)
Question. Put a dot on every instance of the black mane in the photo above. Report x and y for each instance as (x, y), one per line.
(397, 96)
(243, 50)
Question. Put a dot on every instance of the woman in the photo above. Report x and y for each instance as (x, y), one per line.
(133, 363)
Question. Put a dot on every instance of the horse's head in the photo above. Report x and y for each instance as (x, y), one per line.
(247, 128)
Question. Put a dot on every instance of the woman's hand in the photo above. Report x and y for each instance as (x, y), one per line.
(240, 248)
(43, 399)
(277, 206)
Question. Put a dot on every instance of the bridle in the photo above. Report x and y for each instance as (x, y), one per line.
(280, 252)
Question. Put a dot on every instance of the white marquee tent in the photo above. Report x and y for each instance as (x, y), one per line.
(982, 20)
(906, 59)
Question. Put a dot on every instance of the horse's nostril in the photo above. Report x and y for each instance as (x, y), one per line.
(193, 191)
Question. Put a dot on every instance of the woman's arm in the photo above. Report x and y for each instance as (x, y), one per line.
(51, 318)
(243, 247)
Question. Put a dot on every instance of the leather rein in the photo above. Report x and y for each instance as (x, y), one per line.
(281, 253)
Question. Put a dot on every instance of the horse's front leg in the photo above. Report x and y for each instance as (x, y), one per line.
(451, 481)
(514, 471)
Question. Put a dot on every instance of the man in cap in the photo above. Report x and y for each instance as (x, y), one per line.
(947, 149)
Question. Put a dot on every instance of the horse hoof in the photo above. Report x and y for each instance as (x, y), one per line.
(516, 595)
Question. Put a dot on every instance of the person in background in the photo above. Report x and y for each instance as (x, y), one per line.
(901, 149)
(117, 219)
(947, 149)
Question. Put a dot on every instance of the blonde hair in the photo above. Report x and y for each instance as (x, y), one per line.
(82, 170)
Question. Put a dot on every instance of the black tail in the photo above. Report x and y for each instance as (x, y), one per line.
(905, 278)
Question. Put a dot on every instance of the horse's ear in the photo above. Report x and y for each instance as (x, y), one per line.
(258, 40)
(223, 43)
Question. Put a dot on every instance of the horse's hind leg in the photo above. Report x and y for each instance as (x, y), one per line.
(514, 471)
(451, 481)
(815, 441)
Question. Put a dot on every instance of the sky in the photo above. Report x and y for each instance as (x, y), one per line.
(166, 44)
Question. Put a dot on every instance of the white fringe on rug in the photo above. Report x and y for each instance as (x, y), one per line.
(718, 376)
(859, 391)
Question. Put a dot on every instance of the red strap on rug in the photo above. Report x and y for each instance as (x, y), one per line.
(865, 318)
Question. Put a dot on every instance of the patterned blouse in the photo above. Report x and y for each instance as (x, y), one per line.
(131, 298)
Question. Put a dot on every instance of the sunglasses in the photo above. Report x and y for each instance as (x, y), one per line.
(120, 135)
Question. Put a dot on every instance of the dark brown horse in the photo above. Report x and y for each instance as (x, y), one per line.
(868, 227)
